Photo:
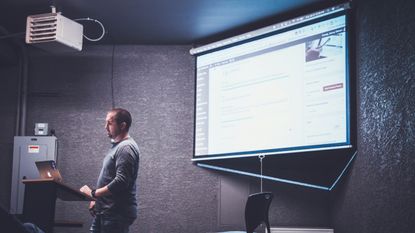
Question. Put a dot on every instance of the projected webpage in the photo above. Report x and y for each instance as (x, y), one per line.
(279, 92)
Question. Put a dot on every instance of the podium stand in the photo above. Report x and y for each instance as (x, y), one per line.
(40, 199)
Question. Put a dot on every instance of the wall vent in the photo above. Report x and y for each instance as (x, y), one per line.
(54, 32)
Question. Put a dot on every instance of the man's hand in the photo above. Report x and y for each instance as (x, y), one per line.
(91, 208)
(86, 190)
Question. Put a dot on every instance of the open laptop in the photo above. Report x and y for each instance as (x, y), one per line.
(47, 169)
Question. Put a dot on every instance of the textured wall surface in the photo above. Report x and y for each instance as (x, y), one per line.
(72, 92)
(379, 193)
(9, 72)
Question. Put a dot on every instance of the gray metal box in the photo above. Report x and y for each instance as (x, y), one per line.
(26, 151)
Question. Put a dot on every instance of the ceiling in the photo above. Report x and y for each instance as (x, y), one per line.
(159, 21)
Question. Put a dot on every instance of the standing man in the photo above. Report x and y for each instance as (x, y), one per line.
(115, 205)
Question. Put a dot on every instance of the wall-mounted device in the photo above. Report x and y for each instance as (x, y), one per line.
(54, 32)
(41, 129)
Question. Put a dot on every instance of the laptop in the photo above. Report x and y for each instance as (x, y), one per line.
(47, 169)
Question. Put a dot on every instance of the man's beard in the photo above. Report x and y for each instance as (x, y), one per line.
(114, 135)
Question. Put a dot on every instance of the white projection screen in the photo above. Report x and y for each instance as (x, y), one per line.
(280, 89)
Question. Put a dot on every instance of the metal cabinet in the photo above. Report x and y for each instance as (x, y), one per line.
(26, 151)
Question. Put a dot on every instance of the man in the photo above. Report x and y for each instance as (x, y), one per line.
(115, 205)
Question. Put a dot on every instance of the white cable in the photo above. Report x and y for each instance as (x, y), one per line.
(96, 21)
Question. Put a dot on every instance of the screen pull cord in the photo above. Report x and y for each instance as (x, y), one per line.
(261, 157)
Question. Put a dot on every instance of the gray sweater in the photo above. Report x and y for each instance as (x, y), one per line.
(119, 171)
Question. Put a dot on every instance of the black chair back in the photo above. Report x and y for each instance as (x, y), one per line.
(256, 210)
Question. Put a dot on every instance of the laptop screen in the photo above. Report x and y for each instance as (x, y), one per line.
(47, 169)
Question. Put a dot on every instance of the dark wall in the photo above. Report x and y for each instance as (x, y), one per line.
(72, 92)
(9, 73)
(379, 193)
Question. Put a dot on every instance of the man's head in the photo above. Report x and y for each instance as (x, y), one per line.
(117, 123)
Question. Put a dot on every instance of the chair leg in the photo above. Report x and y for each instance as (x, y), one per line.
(267, 224)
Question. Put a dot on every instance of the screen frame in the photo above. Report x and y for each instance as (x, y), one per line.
(350, 91)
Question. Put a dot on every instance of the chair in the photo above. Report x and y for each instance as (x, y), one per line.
(256, 211)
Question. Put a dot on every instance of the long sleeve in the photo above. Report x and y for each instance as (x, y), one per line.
(119, 173)
(125, 169)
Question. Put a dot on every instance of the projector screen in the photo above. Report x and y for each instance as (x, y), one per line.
(279, 89)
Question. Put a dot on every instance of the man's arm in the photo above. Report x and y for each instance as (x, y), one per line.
(125, 166)
(101, 192)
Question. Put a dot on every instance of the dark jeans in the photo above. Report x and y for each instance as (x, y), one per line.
(110, 224)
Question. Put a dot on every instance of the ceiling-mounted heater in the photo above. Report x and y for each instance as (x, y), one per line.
(54, 32)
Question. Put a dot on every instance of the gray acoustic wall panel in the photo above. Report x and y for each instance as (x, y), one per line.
(72, 92)
(379, 193)
(233, 194)
(9, 73)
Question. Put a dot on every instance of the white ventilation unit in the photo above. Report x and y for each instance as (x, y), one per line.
(54, 32)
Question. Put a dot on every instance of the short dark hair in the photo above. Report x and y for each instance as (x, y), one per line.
(122, 115)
